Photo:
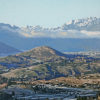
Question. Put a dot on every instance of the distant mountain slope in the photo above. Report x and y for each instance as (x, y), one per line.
(6, 50)
(61, 44)
(47, 63)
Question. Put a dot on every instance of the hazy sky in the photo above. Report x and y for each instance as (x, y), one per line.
(47, 13)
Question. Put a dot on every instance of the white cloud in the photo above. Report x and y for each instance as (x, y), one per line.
(91, 33)
(60, 34)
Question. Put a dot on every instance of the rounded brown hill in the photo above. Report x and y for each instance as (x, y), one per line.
(43, 53)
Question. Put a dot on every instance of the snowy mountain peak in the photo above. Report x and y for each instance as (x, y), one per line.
(83, 22)
(90, 24)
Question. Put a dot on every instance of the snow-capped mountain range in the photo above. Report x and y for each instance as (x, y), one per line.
(85, 22)
(81, 28)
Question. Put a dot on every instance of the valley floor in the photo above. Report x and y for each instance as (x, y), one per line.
(48, 92)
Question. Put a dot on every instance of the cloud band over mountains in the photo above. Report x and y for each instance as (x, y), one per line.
(81, 28)
(62, 34)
